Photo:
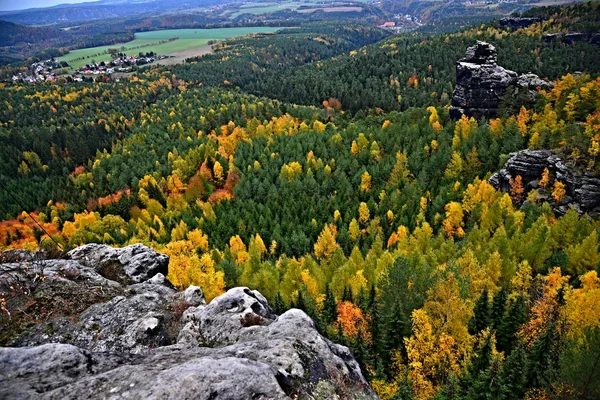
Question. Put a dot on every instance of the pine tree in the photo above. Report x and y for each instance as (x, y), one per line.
(507, 331)
(543, 360)
(481, 316)
(362, 300)
(330, 311)
(347, 295)
(279, 304)
(393, 323)
(300, 303)
(513, 377)
(498, 308)
(360, 350)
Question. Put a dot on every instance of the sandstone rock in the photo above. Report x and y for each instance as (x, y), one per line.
(52, 288)
(481, 83)
(121, 348)
(518, 22)
(527, 87)
(193, 295)
(583, 188)
(222, 321)
(131, 264)
(123, 324)
(572, 38)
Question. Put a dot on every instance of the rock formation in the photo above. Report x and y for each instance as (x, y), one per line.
(135, 338)
(481, 83)
(518, 22)
(583, 188)
(572, 38)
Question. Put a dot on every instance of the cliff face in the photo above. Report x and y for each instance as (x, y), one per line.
(583, 188)
(481, 83)
(136, 337)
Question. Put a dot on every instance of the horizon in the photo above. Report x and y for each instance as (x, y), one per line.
(7, 5)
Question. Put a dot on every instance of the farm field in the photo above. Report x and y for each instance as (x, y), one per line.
(159, 43)
(266, 7)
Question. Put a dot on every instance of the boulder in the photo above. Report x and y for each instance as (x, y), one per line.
(146, 340)
(132, 264)
(582, 187)
(223, 320)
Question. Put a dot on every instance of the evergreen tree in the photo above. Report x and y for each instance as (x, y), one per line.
(330, 311)
(498, 308)
(513, 377)
(514, 318)
(481, 314)
(279, 304)
(347, 295)
(543, 360)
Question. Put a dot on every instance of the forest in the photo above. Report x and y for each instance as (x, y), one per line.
(320, 166)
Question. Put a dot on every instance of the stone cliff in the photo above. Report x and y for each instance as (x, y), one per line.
(582, 187)
(481, 83)
(105, 323)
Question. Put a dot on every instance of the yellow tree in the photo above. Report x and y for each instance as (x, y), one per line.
(365, 182)
(558, 192)
(583, 306)
(516, 188)
(354, 230)
(453, 223)
(363, 213)
(326, 244)
(522, 120)
(545, 180)
(455, 167)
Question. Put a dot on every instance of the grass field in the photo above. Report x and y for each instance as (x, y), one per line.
(266, 7)
(151, 41)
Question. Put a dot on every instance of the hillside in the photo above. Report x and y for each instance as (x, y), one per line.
(455, 257)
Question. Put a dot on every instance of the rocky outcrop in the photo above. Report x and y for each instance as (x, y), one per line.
(109, 339)
(582, 187)
(572, 38)
(132, 264)
(481, 83)
(518, 22)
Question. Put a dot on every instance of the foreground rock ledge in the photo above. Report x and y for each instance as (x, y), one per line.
(112, 339)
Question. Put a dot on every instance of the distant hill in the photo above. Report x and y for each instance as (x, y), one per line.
(73, 13)
(12, 34)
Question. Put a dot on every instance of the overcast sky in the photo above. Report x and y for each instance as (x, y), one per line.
(23, 4)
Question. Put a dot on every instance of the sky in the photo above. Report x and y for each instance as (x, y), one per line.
(6, 5)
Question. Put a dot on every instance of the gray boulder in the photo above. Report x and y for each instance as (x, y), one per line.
(132, 323)
(223, 320)
(132, 264)
(106, 339)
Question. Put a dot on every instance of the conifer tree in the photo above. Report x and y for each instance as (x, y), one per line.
(481, 316)
(498, 308)
(507, 331)
(330, 311)
(513, 377)
(279, 304)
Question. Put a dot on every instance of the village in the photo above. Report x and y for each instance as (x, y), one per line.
(55, 71)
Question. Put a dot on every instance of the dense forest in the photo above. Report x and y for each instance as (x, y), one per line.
(320, 166)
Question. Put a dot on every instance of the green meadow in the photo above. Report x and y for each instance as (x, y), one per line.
(158, 42)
